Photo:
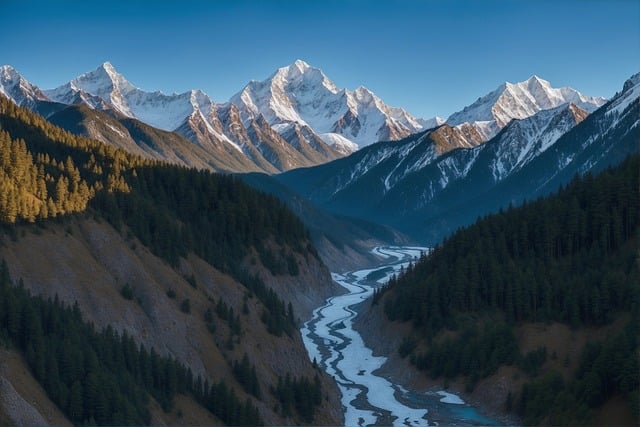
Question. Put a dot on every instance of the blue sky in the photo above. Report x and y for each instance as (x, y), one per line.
(429, 57)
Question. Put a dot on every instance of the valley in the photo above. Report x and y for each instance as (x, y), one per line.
(368, 397)
(305, 254)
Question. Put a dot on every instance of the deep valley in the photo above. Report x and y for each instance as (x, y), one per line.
(308, 255)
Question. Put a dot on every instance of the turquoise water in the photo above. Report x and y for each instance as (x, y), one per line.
(448, 414)
(470, 414)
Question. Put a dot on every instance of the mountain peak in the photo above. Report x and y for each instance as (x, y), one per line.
(108, 68)
(104, 82)
(300, 93)
(8, 72)
(300, 70)
(17, 88)
(631, 82)
(518, 101)
(535, 81)
(301, 65)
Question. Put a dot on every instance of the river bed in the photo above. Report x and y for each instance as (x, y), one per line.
(367, 398)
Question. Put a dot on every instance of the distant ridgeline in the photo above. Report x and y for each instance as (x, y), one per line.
(571, 258)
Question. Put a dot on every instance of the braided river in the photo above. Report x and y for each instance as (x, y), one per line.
(367, 398)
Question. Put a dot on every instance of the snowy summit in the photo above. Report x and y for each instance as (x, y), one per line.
(303, 94)
(509, 101)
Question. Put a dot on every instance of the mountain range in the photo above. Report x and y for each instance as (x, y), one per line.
(423, 187)
(295, 118)
(268, 126)
(425, 179)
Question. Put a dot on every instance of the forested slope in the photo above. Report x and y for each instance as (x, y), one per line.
(217, 241)
(571, 259)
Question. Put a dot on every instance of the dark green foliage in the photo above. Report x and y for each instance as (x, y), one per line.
(46, 172)
(533, 361)
(568, 258)
(472, 353)
(292, 266)
(275, 315)
(226, 313)
(606, 369)
(223, 402)
(245, 373)
(223, 310)
(192, 281)
(171, 293)
(101, 377)
(299, 394)
(208, 319)
(127, 291)
(174, 210)
(407, 346)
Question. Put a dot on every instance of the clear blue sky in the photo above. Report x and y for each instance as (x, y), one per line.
(430, 57)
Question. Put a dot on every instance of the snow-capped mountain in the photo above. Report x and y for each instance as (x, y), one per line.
(379, 171)
(106, 88)
(317, 121)
(18, 89)
(216, 128)
(629, 94)
(426, 187)
(300, 93)
(509, 101)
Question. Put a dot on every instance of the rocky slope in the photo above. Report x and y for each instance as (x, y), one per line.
(302, 94)
(509, 101)
(218, 137)
(89, 262)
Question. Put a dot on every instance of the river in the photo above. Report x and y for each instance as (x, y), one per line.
(369, 399)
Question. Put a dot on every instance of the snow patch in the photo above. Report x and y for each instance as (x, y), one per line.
(450, 398)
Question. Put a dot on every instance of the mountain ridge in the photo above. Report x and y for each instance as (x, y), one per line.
(295, 118)
(192, 114)
(420, 178)
(303, 94)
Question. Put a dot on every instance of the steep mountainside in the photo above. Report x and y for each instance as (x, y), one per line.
(295, 118)
(216, 132)
(304, 95)
(510, 101)
(198, 267)
(18, 89)
(343, 243)
(498, 302)
(427, 188)
(141, 139)
(603, 139)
